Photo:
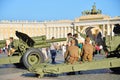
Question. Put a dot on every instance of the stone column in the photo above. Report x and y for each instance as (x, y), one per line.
(47, 35)
(112, 26)
(55, 29)
(54, 32)
(58, 32)
(79, 30)
(50, 32)
(103, 30)
(108, 29)
(74, 29)
(46, 32)
(65, 31)
(61, 32)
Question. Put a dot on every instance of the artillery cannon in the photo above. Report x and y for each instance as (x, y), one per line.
(32, 58)
(27, 49)
(110, 44)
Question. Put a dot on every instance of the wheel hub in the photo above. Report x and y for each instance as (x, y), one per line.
(33, 59)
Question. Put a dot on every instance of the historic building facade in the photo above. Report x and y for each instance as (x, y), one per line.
(92, 20)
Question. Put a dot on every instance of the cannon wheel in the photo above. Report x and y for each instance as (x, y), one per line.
(32, 57)
(117, 69)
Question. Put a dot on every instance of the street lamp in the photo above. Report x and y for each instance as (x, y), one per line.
(73, 25)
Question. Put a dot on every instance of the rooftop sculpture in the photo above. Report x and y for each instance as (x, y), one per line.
(92, 11)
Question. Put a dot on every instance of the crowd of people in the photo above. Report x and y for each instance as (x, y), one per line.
(75, 50)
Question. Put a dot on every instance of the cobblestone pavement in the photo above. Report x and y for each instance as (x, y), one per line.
(10, 72)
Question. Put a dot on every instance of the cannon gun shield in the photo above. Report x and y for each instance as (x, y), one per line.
(30, 42)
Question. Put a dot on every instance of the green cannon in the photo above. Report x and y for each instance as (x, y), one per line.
(27, 49)
(2, 43)
(112, 61)
(111, 45)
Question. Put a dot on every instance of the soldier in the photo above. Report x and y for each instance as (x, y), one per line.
(72, 54)
(87, 50)
(11, 49)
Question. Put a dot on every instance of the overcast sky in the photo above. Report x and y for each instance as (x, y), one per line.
(41, 10)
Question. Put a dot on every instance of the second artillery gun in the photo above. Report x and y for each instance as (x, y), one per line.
(111, 45)
(27, 49)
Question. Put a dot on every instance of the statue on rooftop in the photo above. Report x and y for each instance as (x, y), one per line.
(92, 11)
(99, 11)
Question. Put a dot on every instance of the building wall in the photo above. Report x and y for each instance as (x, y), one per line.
(57, 29)
(33, 29)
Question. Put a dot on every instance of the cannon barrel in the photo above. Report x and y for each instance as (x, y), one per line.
(49, 41)
(56, 40)
(38, 41)
(39, 38)
(2, 43)
(42, 44)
